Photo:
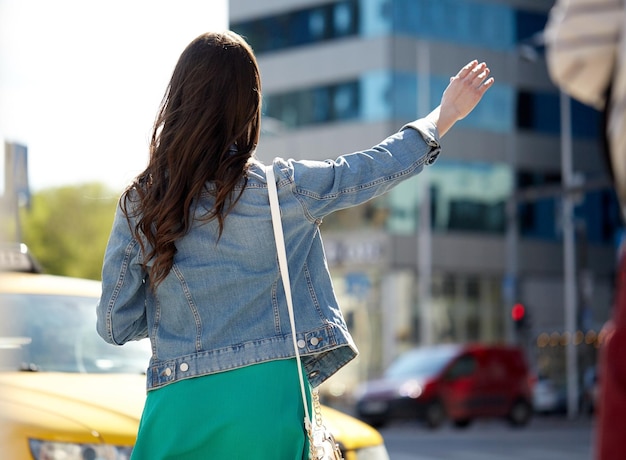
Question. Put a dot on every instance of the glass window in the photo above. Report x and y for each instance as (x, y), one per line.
(465, 196)
(382, 95)
(468, 22)
(301, 27)
(541, 112)
(537, 218)
(321, 105)
(344, 19)
(421, 362)
(528, 23)
(404, 95)
(346, 101)
(599, 217)
(586, 121)
(56, 333)
(408, 18)
(317, 25)
(377, 89)
(498, 26)
(324, 104)
(276, 31)
(375, 17)
(465, 366)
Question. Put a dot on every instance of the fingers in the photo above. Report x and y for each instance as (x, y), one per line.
(486, 84)
(480, 78)
(476, 74)
(464, 72)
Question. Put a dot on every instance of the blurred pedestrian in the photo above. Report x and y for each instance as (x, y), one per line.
(586, 52)
(191, 260)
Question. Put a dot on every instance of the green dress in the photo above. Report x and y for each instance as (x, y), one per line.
(250, 413)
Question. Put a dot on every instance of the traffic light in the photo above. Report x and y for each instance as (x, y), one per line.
(518, 314)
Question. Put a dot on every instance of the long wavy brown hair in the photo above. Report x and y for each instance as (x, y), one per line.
(206, 129)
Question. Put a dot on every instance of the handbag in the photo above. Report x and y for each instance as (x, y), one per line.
(322, 445)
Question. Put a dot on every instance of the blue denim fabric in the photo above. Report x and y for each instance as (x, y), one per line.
(222, 306)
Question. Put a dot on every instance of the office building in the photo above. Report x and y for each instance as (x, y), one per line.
(445, 256)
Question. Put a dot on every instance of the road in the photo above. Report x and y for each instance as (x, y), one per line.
(545, 438)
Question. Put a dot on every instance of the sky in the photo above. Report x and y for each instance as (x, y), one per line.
(81, 81)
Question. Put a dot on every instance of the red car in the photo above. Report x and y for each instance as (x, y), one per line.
(455, 382)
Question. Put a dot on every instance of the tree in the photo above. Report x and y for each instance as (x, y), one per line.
(67, 228)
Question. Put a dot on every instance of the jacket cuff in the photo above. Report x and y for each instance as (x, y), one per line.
(430, 134)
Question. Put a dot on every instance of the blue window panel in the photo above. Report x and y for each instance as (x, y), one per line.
(541, 112)
(468, 22)
(495, 113)
(467, 16)
(547, 212)
(441, 21)
(585, 121)
(276, 31)
(542, 214)
(601, 216)
(407, 18)
(498, 26)
(382, 95)
(345, 19)
(405, 95)
(301, 29)
(538, 112)
(376, 90)
(591, 214)
(538, 219)
(375, 18)
(337, 102)
(528, 23)
(345, 101)
(321, 105)
(402, 202)
(546, 113)
(465, 196)
(317, 25)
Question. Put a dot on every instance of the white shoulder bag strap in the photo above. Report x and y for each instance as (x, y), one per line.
(284, 271)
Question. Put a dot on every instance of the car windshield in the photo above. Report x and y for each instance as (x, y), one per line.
(57, 333)
(421, 362)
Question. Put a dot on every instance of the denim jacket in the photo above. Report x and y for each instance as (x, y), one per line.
(222, 306)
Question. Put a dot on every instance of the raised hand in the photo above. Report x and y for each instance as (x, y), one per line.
(464, 92)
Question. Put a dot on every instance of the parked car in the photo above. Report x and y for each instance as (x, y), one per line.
(65, 394)
(550, 397)
(546, 396)
(455, 382)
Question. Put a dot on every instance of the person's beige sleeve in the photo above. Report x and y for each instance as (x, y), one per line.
(582, 38)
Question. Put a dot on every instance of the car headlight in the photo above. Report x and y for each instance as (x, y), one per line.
(49, 450)
(411, 389)
(378, 452)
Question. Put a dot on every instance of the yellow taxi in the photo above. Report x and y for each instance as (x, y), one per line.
(67, 395)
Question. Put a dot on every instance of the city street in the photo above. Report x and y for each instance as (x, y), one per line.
(546, 438)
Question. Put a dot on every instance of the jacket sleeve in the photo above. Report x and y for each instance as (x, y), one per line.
(121, 311)
(582, 38)
(327, 186)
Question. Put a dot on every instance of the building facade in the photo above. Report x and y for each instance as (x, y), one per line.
(446, 255)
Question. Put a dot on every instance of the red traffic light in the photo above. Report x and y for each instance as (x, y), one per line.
(517, 312)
